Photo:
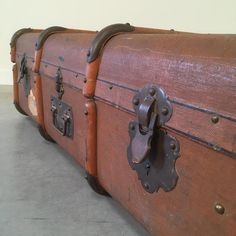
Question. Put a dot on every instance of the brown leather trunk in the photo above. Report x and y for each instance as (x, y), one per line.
(150, 116)
(159, 97)
(22, 55)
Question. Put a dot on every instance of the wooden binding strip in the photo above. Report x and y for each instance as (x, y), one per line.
(91, 148)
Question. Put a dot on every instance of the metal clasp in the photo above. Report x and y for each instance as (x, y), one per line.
(24, 76)
(152, 152)
(147, 116)
(62, 117)
(59, 85)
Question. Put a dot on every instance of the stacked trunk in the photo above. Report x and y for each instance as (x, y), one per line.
(126, 102)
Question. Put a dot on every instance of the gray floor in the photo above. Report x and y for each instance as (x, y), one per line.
(43, 191)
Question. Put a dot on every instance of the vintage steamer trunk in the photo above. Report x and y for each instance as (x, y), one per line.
(166, 128)
(22, 55)
(61, 73)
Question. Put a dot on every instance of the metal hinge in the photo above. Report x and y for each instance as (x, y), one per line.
(152, 152)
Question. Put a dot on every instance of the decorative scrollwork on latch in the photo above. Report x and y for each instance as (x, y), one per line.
(24, 76)
(152, 152)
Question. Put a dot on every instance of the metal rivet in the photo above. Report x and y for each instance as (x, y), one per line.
(172, 146)
(215, 119)
(88, 54)
(146, 185)
(219, 208)
(85, 80)
(111, 87)
(76, 75)
(152, 91)
(147, 165)
(131, 126)
(164, 111)
(86, 113)
(136, 101)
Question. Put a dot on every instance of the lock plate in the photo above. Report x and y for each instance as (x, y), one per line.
(152, 152)
(62, 117)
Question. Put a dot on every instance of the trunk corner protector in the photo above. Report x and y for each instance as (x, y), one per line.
(17, 34)
(19, 109)
(95, 185)
(103, 36)
(46, 33)
(44, 134)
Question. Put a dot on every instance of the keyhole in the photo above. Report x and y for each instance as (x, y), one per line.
(147, 168)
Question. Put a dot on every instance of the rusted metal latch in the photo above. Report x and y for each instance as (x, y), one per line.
(59, 85)
(24, 76)
(152, 152)
(62, 117)
(61, 112)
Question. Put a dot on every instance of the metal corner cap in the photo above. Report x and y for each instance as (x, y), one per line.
(45, 34)
(103, 36)
(17, 34)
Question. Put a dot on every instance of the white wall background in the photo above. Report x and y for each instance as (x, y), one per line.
(206, 16)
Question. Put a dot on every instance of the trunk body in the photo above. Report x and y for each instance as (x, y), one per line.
(143, 98)
(198, 73)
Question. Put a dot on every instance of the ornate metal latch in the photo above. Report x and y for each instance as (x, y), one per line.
(24, 76)
(152, 152)
(61, 112)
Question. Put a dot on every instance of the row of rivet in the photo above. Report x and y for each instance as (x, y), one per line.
(214, 119)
